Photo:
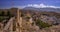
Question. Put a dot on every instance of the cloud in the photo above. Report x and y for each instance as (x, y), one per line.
(36, 6)
(41, 6)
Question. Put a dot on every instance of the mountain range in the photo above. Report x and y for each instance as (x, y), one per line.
(48, 9)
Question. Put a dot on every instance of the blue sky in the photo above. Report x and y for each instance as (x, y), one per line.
(17, 3)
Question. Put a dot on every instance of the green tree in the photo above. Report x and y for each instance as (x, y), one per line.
(42, 24)
(8, 13)
(2, 13)
(22, 14)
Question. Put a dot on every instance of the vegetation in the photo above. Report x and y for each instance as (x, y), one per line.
(2, 13)
(8, 13)
(28, 17)
(3, 16)
(42, 24)
(22, 14)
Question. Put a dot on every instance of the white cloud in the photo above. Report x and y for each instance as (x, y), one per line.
(36, 6)
(41, 6)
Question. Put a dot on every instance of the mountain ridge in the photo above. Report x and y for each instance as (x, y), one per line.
(48, 9)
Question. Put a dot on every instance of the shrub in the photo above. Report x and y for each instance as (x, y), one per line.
(42, 24)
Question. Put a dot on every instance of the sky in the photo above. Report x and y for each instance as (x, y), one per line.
(24, 3)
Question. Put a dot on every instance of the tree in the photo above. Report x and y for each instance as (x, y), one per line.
(1, 19)
(8, 13)
(2, 13)
(42, 24)
(22, 14)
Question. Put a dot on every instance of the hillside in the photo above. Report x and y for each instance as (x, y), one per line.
(32, 20)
